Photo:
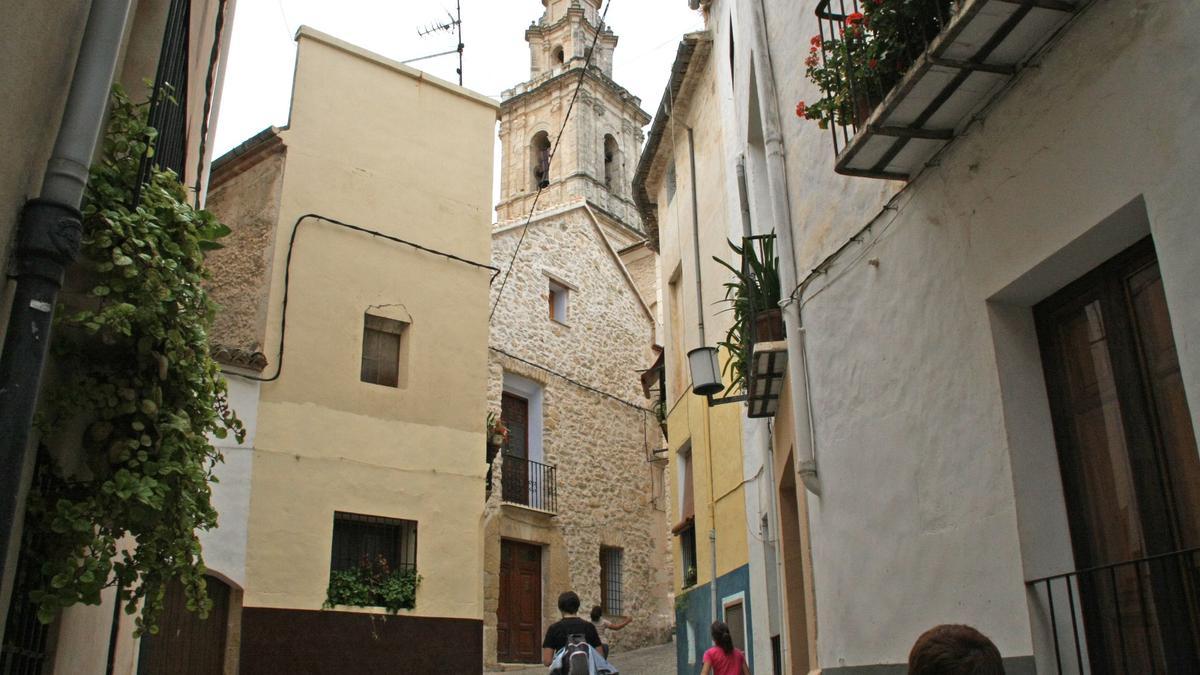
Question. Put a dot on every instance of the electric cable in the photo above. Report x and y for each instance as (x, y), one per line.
(287, 274)
(573, 381)
(550, 161)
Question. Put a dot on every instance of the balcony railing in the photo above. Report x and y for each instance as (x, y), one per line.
(529, 483)
(1140, 616)
(910, 75)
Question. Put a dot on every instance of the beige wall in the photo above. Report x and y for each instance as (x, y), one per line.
(385, 147)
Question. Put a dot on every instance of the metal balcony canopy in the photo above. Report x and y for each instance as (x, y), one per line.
(964, 68)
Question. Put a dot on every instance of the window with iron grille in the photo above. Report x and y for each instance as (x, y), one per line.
(365, 541)
(381, 348)
(610, 580)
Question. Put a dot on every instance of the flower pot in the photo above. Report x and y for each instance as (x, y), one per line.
(497, 440)
(768, 326)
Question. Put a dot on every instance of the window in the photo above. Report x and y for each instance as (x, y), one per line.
(685, 529)
(611, 154)
(558, 296)
(610, 580)
(382, 343)
(735, 618)
(559, 56)
(360, 541)
(539, 159)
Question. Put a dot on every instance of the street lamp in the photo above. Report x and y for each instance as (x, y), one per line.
(706, 371)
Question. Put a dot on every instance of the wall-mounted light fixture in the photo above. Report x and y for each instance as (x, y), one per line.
(706, 371)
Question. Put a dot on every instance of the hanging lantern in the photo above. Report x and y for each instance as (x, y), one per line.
(706, 371)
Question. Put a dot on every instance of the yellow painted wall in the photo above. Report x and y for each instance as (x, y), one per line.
(715, 433)
(376, 144)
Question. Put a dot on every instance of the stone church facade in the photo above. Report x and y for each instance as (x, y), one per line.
(576, 499)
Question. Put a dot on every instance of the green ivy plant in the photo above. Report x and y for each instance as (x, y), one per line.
(373, 584)
(132, 354)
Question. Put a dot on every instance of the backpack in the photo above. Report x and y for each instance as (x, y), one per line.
(576, 657)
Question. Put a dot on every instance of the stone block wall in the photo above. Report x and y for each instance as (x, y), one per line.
(601, 443)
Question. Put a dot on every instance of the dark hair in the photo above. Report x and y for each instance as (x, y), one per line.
(721, 636)
(597, 612)
(568, 603)
(954, 650)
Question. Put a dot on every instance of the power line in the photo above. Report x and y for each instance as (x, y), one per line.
(550, 162)
(571, 380)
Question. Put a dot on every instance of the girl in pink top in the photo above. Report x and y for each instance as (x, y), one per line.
(723, 659)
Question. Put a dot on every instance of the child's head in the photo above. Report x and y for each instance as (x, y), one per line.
(568, 603)
(721, 636)
(597, 612)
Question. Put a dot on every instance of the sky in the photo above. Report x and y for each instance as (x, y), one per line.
(258, 79)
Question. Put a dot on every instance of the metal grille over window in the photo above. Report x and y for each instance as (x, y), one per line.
(360, 541)
(168, 106)
(610, 580)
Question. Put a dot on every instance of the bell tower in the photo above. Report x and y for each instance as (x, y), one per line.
(603, 137)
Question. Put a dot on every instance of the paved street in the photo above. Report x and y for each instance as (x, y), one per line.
(658, 660)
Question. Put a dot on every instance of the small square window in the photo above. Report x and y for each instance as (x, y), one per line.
(381, 350)
(559, 297)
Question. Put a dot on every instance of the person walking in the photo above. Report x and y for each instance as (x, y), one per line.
(559, 632)
(604, 625)
(723, 658)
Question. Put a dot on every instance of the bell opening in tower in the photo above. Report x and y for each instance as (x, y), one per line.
(540, 159)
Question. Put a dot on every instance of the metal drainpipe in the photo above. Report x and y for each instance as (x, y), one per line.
(712, 502)
(47, 241)
(805, 447)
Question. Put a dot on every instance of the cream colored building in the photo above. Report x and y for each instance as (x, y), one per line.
(355, 333)
(576, 500)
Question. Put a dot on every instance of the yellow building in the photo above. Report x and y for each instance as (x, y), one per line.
(686, 190)
(357, 274)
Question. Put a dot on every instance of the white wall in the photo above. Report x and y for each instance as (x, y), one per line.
(225, 547)
(932, 429)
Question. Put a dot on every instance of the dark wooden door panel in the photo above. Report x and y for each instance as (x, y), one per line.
(1128, 456)
(519, 615)
(186, 644)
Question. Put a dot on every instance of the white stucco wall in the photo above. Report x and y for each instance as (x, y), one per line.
(941, 494)
(225, 547)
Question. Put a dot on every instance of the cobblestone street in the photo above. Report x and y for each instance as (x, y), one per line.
(659, 660)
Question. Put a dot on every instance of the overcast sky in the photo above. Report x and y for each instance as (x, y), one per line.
(259, 76)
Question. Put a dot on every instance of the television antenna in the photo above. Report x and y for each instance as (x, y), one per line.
(453, 25)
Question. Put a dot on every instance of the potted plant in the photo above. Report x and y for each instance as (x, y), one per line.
(497, 432)
(872, 51)
(753, 298)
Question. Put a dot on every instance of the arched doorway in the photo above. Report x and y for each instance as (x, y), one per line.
(186, 644)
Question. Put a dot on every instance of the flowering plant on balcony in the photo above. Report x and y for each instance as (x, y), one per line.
(497, 432)
(856, 65)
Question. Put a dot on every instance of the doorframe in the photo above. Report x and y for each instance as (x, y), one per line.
(541, 600)
(534, 392)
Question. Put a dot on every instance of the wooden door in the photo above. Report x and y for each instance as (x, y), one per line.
(514, 410)
(1130, 468)
(186, 644)
(519, 616)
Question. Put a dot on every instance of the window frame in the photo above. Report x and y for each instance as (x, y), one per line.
(374, 365)
(611, 588)
(404, 532)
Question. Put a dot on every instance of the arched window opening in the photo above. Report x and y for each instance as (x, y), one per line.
(612, 153)
(559, 56)
(539, 156)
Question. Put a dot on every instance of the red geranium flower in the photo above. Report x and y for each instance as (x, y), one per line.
(854, 19)
(872, 64)
(801, 109)
(811, 61)
(815, 41)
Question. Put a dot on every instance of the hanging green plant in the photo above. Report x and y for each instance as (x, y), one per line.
(373, 584)
(133, 363)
